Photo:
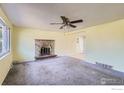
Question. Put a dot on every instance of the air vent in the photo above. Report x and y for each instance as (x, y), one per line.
(104, 65)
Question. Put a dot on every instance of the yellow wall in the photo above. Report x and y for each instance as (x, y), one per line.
(71, 40)
(6, 61)
(24, 44)
(103, 43)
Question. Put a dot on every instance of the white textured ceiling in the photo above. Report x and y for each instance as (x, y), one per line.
(41, 15)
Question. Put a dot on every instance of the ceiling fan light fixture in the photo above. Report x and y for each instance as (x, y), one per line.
(67, 22)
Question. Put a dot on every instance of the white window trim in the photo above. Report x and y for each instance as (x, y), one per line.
(9, 51)
(4, 55)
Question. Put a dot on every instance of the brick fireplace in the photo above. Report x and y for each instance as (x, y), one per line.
(44, 48)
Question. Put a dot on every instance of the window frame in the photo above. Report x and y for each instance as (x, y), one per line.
(9, 39)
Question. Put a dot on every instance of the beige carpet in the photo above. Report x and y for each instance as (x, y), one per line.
(58, 71)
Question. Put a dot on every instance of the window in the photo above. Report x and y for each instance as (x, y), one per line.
(4, 38)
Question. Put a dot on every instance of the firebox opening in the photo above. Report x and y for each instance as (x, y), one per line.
(45, 51)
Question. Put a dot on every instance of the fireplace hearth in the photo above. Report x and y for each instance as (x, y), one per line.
(44, 48)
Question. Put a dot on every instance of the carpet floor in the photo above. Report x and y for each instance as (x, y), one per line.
(58, 71)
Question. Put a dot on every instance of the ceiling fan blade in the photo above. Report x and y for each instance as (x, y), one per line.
(55, 23)
(62, 27)
(72, 25)
(64, 19)
(77, 21)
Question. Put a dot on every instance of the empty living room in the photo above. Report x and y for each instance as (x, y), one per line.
(61, 44)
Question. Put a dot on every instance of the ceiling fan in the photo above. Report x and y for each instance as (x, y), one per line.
(67, 22)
